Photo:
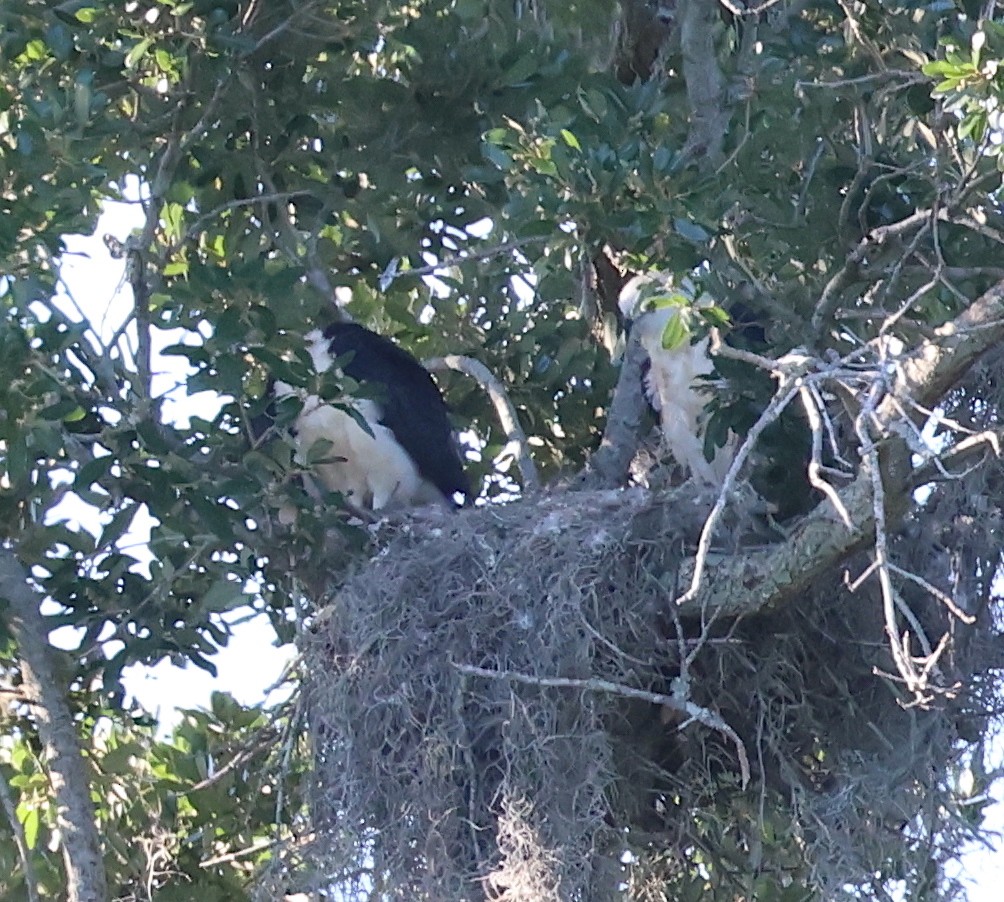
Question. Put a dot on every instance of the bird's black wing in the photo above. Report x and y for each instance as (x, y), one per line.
(413, 408)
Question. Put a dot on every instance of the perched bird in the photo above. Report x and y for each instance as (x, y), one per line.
(676, 383)
(406, 455)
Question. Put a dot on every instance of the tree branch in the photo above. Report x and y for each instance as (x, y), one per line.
(628, 407)
(747, 583)
(504, 409)
(693, 711)
(75, 815)
(709, 115)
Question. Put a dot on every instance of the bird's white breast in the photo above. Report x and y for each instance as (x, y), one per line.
(373, 471)
(675, 385)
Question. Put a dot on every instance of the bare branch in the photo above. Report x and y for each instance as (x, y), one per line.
(914, 681)
(692, 711)
(935, 592)
(260, 846)
(974, 447)
(289, 22)
(788, 369)
(261, 741)
(815, 414)
(466, 256)
(903, 76)
(922, 377)
(504, 409)
(830, 297)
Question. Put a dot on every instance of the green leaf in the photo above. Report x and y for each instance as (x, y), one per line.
(570, 139)
(675, 333)
(715, 316)
(31, 822)
(60, 40)
(469, 10)
(521, 70)
(62, 410)
(691, 230)
(173, 216)
(117, 526)
(224, 595)
(497, 156)
(137, 53)
(17, 459)
(93, 471)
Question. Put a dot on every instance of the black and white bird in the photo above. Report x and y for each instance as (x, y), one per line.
(676, 384)
(409, 456)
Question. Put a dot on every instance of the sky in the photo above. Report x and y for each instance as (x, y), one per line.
(252, 663)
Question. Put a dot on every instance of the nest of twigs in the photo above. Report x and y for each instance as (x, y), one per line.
(499, 701)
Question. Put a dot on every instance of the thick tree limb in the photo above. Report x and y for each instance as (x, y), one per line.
(940, 362)
(628, 408)
(709, 113)
(75, 815)
(644, 28)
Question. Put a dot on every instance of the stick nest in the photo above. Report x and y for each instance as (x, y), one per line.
(481, 729)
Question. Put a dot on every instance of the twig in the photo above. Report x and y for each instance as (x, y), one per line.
(873, 470)
(831, 433)
(787, 389)
(95, 358)
(392, 274)
(904, 75)
(287, 754)
(260, 743)
(813, 415)
(961, 451)
(848, 272)
(718, 348)
(933, 590)
(260, 846)
(694, 712)
(861, 35)
(269, 198)
(136, 274)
